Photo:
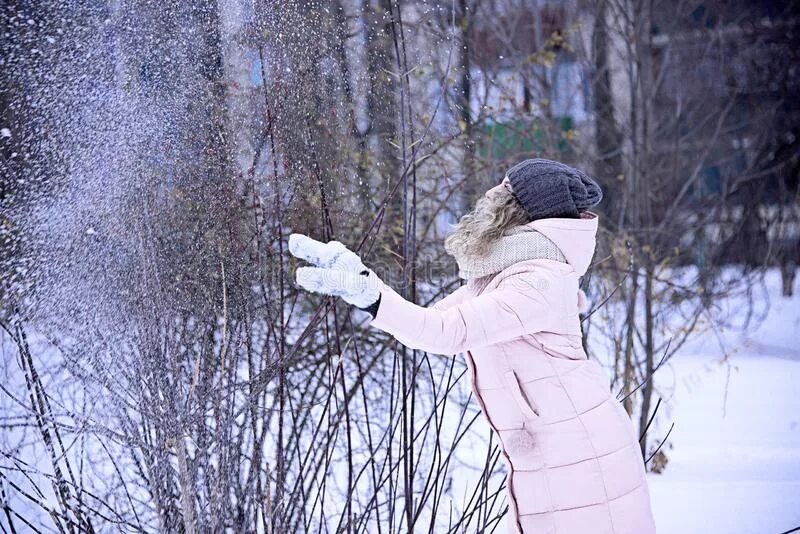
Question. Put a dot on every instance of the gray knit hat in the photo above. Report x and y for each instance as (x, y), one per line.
(548, 188)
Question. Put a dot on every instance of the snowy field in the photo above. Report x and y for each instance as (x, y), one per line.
(735, 464)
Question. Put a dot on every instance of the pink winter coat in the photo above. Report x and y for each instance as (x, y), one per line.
(574, 461)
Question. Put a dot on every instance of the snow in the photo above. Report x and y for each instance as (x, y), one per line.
(735, 466)
(735, 462)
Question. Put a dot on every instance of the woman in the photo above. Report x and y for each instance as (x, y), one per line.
(573, 454)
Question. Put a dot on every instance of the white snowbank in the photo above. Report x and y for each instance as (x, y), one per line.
(735, 465)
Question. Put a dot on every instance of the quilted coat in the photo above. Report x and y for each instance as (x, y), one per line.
(572, 451)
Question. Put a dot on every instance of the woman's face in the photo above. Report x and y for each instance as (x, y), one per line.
(506, 183)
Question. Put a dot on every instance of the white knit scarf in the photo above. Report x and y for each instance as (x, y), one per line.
(519, 243)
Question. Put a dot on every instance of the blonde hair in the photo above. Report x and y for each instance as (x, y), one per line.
(487, 222)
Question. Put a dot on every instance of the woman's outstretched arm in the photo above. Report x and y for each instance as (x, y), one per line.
(520, 305)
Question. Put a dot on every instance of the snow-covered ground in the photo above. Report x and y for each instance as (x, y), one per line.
(735, 463)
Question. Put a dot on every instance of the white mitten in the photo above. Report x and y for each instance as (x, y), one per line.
(330, 255)
(360, 290)
(338, 272)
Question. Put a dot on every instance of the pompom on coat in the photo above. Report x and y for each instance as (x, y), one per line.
(574, 461)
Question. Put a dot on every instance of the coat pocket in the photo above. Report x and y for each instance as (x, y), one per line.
(528, 411)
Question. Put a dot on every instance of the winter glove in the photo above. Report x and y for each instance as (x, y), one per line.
(338, 272)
